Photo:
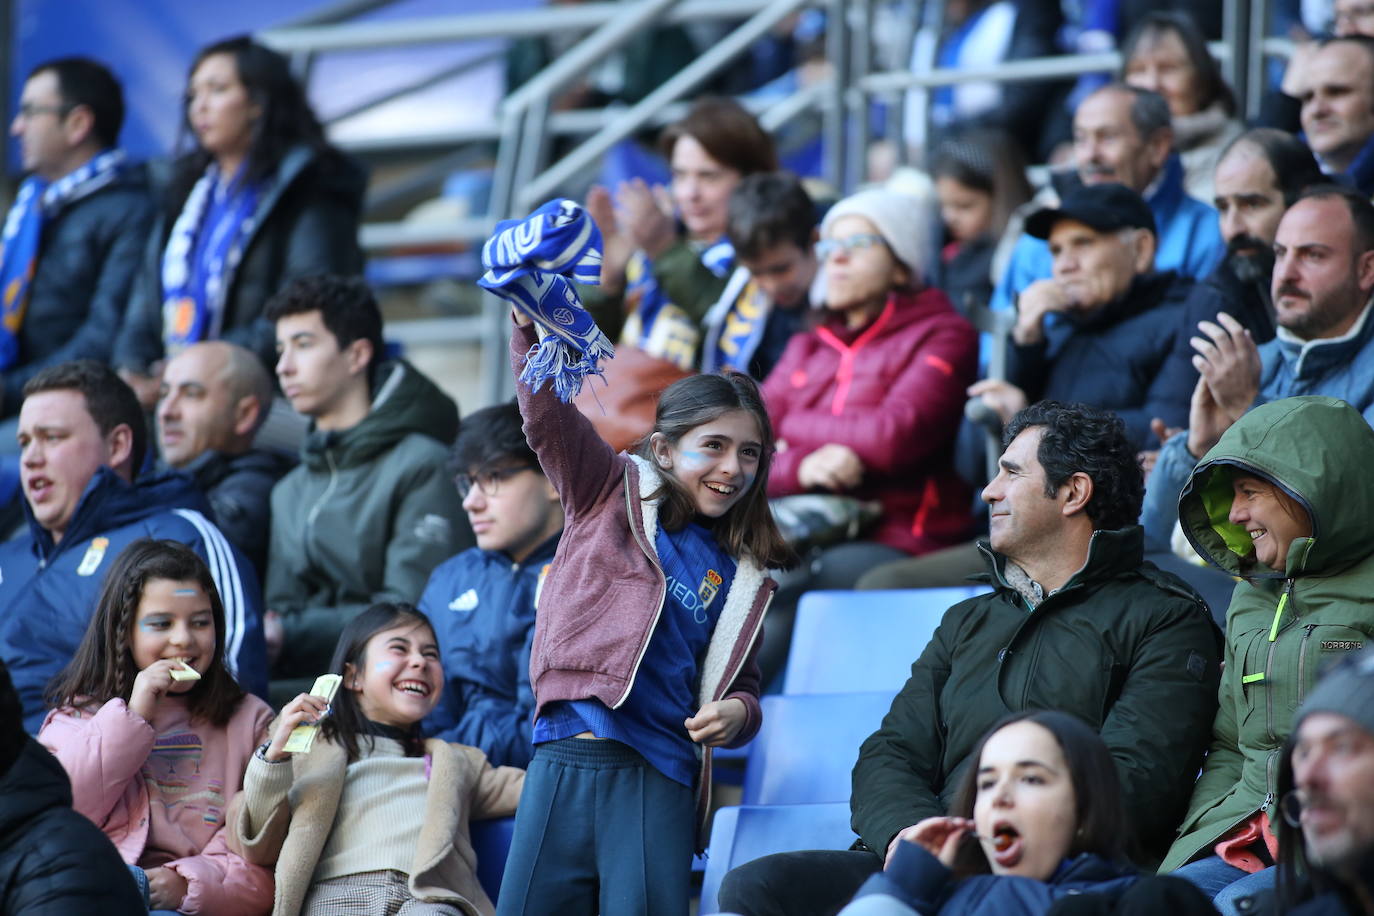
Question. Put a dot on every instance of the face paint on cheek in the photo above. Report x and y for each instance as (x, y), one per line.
(694, 460)
(383, 666)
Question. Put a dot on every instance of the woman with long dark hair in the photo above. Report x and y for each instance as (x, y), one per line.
(260, 199)
(1038, 817)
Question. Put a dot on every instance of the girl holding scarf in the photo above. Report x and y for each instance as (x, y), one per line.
(261, 199)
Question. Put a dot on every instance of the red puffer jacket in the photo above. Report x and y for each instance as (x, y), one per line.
(894, 392)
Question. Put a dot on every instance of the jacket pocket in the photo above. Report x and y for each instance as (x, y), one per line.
(596, 634)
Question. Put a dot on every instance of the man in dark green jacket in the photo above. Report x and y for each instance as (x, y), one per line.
(370, 511)
(1076, 621)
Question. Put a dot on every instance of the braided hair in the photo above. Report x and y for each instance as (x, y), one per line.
(103, 667)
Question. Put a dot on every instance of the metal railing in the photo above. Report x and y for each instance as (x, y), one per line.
(524, 126)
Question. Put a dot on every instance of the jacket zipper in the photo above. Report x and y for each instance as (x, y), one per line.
(1269, 659)
(1302, 661)
(319, 503)
(662, 596)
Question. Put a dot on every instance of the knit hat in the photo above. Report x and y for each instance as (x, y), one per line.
(1347, 690)
(902, 219)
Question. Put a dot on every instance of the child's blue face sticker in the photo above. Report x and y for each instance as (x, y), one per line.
(384, 665)
(186, 591)
(718, 461)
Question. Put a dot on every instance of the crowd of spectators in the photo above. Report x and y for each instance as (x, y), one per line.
(1159, 478)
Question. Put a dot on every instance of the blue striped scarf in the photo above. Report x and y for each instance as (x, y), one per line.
(532, 264)
(36, 202)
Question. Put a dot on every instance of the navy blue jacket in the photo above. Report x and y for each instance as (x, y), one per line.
(919, 880)
(1114, 358)
(482, 608)
(88, 255)
(48, 591)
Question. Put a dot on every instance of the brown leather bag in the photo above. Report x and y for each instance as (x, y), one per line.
(622, 403)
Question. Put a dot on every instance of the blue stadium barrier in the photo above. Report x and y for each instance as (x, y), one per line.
(807, 746)
(742, 834)
(857, 641)
(491, 841)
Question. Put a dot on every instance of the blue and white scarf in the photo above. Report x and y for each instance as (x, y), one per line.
(532, 263)
(658, 326)
(202, 253)
(735, 324)
(36, 202)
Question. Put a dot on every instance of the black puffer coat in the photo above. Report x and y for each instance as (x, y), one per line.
(53, 861)
(306, 223)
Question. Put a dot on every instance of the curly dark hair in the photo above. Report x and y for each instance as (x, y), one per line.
(346, 306)
(1077, 438)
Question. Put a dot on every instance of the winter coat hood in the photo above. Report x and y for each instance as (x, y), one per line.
(1317, 450)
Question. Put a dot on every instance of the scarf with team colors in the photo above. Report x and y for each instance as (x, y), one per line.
(202, 253)
(37, 201)
(532, 263)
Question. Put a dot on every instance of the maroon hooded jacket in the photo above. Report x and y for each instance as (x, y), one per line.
(894, 392)
(605, 589)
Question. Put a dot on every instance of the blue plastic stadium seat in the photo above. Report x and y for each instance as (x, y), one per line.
(856, 641)
(491, 841)
(807, 746)
(740, 835)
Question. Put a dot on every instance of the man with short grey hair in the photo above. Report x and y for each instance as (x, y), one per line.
(1123, 134)
(214, 397)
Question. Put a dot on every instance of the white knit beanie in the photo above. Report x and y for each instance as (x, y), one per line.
(904, 220)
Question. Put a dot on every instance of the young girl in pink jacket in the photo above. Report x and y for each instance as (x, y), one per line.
(156, 755)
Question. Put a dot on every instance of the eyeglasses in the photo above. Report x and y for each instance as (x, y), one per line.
(849, 244)
(29, 110)
(487, 480)
(1290, 808)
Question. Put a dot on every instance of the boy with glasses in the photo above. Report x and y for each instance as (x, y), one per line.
(481, 601)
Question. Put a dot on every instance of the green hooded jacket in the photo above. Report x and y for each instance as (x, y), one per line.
(365, 517)
(1282, 629)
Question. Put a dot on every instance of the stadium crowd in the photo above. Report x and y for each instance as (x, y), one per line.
(556, 609)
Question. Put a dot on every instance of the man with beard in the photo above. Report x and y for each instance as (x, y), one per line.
(1326, 834)
(1322, 280)
(1258, 177)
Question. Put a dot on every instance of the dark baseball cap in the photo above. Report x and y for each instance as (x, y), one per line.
(1104, 207)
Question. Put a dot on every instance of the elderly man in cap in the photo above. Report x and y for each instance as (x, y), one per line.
(1117, 317)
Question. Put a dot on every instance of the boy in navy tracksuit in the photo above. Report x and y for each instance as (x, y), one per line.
(482, 600)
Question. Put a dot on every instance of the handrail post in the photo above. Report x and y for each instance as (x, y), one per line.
(836, 116)
(1256, 62)
(860, 62)
(725, 50)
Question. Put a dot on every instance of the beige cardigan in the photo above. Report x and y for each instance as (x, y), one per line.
(292, 831)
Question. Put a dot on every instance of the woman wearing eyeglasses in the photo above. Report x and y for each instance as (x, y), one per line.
(866, 404)
(1282, 501)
